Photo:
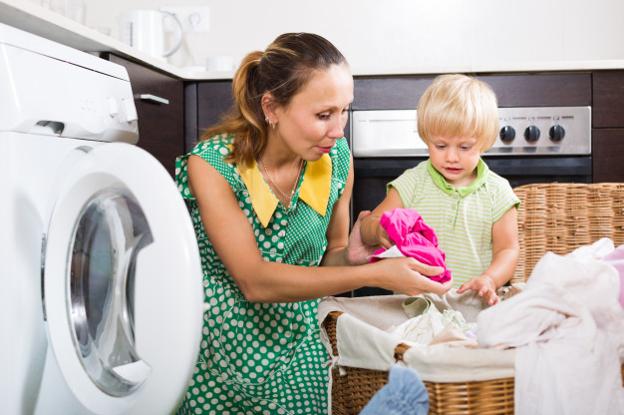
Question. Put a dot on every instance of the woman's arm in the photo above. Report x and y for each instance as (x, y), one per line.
(372, 233)
(261, 281)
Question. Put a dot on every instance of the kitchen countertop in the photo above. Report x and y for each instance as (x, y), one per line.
(32, 18)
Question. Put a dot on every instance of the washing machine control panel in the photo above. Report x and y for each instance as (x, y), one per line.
(49, 89)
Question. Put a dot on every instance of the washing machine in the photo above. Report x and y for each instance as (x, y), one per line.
(101, 298)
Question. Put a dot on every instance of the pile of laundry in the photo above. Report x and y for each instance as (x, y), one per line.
(439, 330)
(567, 327)
(561, 335)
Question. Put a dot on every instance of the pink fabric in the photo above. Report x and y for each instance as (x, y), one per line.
(616, 258)
(414, 238)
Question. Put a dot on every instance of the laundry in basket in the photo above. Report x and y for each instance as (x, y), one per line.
(359, 334)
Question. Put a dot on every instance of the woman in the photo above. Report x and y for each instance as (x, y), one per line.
(270, 189)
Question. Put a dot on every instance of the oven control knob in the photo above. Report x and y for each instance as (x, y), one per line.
(532, 134)
(507, 134)
(556, 133)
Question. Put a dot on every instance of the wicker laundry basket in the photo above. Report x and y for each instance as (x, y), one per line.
(553, 217)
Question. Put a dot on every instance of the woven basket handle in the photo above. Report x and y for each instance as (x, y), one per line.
(330, 327)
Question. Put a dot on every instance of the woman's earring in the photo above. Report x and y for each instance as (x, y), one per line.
(271, 123)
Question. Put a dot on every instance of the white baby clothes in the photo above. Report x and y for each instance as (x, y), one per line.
(428, 325)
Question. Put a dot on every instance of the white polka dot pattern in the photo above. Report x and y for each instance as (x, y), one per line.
(260, 358)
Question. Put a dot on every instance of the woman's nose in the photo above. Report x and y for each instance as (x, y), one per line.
(336, 130)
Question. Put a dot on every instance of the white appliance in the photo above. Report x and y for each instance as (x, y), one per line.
(101, 299)
(145, 31)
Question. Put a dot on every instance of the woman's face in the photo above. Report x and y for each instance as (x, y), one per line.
(316, 116)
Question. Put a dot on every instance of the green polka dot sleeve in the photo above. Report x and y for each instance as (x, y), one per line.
(213, 151)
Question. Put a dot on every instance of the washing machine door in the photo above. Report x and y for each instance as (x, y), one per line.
(122, 284)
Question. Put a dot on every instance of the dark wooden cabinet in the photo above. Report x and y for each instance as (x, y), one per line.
(206, 103)
(159, 100)
(512, 90)
(608, 126)
(541, 89)
(214, 99)
(608, 155)
(608, 94)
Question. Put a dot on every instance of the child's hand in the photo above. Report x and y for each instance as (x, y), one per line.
(357, 252)
(383, 238)
(484, 286)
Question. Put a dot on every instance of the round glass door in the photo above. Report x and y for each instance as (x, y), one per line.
(122, 284)
(110, 232)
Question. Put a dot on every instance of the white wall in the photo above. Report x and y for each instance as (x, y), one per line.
(403, 36)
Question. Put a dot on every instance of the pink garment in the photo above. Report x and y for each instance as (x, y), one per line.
(414, 238)
(616, 258)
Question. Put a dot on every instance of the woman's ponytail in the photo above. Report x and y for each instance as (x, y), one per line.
(245, 120)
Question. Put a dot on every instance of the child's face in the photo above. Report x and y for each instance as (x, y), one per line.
(456, 158)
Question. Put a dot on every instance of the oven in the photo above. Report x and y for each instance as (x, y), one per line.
(537, 144)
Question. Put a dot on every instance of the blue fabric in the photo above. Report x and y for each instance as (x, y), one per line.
(405, 394)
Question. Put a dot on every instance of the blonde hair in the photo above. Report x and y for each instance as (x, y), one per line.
(459, 106)
(282, 69)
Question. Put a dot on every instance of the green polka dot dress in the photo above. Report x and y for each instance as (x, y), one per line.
(261, 358)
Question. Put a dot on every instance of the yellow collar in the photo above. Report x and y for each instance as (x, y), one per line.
(314, 189)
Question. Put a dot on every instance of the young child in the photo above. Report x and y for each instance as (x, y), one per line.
(472, 209)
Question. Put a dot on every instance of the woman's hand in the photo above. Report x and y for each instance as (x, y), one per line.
(485, 287)
(408, 276)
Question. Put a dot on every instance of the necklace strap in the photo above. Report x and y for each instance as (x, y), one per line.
(281, 194)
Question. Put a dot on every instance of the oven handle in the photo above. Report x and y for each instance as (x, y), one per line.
(505, 166)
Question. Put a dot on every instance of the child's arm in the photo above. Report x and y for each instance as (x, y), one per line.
(505, 251)
(372, 233)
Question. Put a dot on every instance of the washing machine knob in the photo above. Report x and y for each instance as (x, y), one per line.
(556, 133)
(532, 134)
(507, 134)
